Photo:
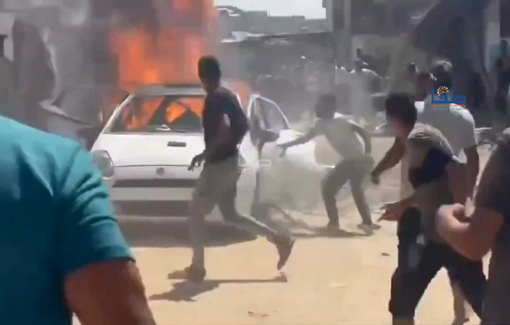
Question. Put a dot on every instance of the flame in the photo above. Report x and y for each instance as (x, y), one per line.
(164, 57)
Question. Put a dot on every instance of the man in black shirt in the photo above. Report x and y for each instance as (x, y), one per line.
(225, 125)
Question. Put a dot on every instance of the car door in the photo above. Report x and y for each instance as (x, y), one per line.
(276, 170)
(247, 191)
(287, 178)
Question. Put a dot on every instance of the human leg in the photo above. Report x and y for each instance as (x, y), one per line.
(358, 174)
(408, 286)
(409, 229)
(470, 278)
(334, 180)
(202, 203)
(231, 215)
(460, 310)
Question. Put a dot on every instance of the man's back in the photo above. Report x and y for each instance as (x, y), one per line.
(455, 123)
(341, 136)
(428, 153)
(56, 219)
(222, 110)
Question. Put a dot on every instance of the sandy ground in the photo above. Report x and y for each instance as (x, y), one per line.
(328, 280)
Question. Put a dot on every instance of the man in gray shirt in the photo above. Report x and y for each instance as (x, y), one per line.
(486, 228)
(457, 125)
(437, 178)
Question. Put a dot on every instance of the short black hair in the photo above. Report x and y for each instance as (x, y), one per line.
(209, 67)
(328, 100)
(401, 106)
(442, 71)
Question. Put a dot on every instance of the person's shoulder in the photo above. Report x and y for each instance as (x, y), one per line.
(429, 136)
(424, 132)
(223, 95)
(46, 155)
(14, 135)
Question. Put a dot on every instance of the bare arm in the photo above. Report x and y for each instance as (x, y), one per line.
(391, 158)
(475, 238)
(108, 293)
(102, 284)
(472, 239)
(473, 168)
(312, 133)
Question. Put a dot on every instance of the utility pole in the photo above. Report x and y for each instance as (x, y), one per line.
(342, 30)
(347, 34)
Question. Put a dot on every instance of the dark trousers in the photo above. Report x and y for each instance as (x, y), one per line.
(354, 172)
(409, 283)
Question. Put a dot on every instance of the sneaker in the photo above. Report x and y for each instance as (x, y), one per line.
(368, 228)
(371, 226)
(284, 246)
(194, 274)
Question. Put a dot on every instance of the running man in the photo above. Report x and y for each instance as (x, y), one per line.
(344, 136)
(217, 184)
(437, 178)
(457, 125)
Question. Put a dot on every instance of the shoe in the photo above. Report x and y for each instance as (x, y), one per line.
(284, 246)
(194, 274)
(367, 226)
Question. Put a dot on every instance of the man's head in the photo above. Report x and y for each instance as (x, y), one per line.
(326, 106)
(401, 114)
(209, 72)
(358, 65)
(424, 84)
(442, 72)
(359, 52)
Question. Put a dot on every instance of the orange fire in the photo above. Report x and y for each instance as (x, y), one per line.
(168, 56)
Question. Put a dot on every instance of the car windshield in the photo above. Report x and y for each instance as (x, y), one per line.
(155, 114)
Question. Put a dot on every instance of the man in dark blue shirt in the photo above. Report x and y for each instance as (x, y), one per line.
(61, 250)
(225, 125)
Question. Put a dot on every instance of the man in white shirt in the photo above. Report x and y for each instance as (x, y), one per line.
(361, 81)
(345, 136)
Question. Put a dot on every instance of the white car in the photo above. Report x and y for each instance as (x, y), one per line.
(145, 158)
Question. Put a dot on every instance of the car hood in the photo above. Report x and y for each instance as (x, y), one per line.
(150, 149)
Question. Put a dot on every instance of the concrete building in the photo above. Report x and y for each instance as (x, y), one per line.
(233, 19)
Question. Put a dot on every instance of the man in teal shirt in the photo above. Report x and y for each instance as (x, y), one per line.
(61, 250)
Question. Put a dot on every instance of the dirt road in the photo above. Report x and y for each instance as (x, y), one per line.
(328, 280)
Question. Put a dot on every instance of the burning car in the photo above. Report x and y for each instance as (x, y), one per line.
(148, 142)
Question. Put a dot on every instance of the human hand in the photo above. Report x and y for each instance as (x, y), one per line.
(196, 161)
(375, 178)
(284, 149)
(392, 211)
(458, 211)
